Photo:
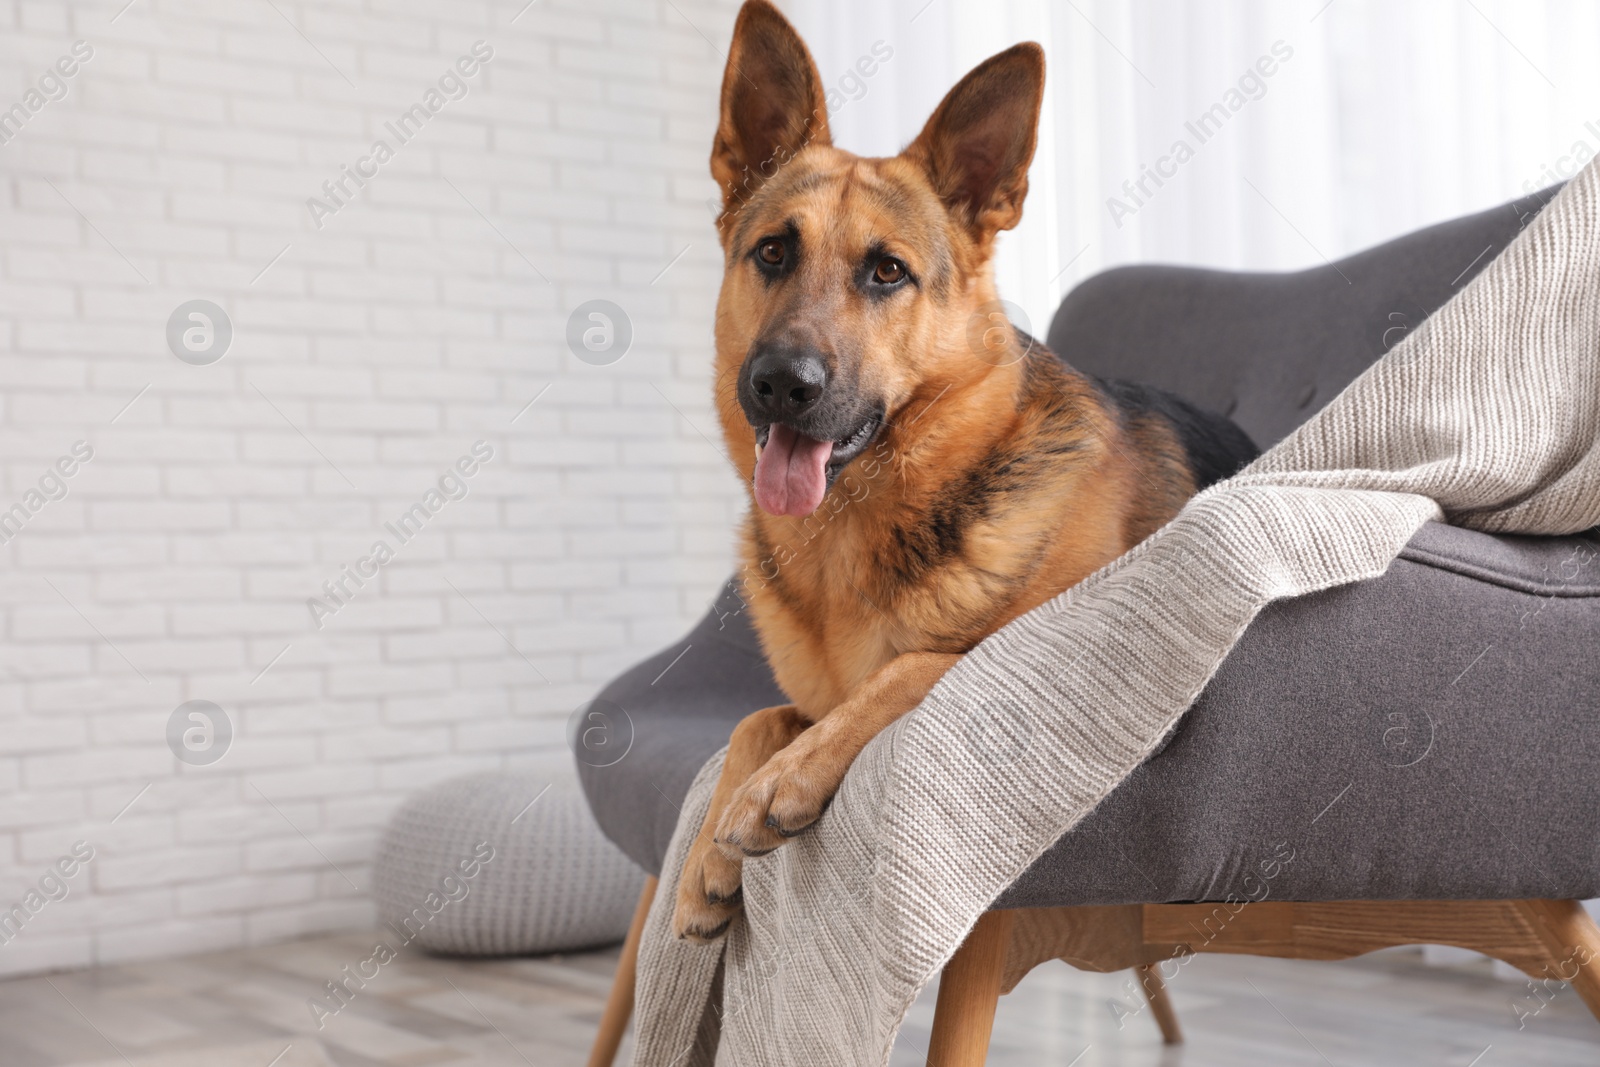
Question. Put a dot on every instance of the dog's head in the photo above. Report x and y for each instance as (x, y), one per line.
(850, 283)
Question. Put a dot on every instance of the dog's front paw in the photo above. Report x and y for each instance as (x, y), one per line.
(709, 894)
(778, 802)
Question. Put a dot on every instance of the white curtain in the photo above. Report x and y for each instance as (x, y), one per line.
(1375, 118)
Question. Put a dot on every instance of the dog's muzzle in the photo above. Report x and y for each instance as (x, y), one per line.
(809, 425)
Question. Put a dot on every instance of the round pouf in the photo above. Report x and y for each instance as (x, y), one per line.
(469, 867)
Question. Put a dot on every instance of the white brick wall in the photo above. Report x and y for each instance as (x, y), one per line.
(405, 329)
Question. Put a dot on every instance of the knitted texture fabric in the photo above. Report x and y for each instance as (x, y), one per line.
(552, 881)
(1486, 416)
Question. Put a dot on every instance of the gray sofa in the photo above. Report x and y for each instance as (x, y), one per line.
(1431, 734)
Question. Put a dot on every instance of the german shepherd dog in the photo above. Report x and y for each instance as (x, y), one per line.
(920, 472)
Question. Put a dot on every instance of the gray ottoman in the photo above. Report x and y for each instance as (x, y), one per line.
(477, 867)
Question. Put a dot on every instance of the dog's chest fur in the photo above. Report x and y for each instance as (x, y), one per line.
(936, 540)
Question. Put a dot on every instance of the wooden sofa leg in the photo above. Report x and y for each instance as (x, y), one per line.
(1155, 991)
(1572, 943)
(619, 1005)
(969, 989)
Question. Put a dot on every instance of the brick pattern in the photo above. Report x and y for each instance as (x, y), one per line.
(367, 356)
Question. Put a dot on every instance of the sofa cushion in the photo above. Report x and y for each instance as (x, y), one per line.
(1431, 733)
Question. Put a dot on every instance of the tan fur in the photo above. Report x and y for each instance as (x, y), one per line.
(857, 619)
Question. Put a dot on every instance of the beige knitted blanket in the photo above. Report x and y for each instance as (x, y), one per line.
(1487, 416)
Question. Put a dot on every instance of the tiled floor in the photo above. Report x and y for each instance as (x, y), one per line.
(248, 1009)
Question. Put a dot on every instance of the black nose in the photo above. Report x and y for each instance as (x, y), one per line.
(786, 381)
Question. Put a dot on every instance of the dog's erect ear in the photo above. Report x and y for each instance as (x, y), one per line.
(977, 146)
(772, 103)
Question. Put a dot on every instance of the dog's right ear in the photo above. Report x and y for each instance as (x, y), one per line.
(772, 104)
(977, 146)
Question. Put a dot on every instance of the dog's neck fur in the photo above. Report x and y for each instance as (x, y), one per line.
(917, 547)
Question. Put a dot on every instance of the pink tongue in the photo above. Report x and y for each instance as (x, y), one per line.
(791, 475)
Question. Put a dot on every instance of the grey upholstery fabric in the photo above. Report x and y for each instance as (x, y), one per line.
(1268, 350)
(477, 866)
(1430, 733)
(678, 712)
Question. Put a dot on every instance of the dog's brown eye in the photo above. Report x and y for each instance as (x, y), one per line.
(889, 271)
(771, 252)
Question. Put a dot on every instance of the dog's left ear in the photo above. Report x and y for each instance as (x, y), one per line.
(977, 146)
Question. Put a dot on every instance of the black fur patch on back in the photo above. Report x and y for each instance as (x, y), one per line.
(1215, 445)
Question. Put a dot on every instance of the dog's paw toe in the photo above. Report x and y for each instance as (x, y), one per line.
(796, 806)
(710, 895)
(722, 879)
(781, 803)
(744, 833)
(703, 913)
(788, 831)
(719, 896)
(701, 919)
(696, 931)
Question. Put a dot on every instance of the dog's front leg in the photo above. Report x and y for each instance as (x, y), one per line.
(790, 791)
(709, 888)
